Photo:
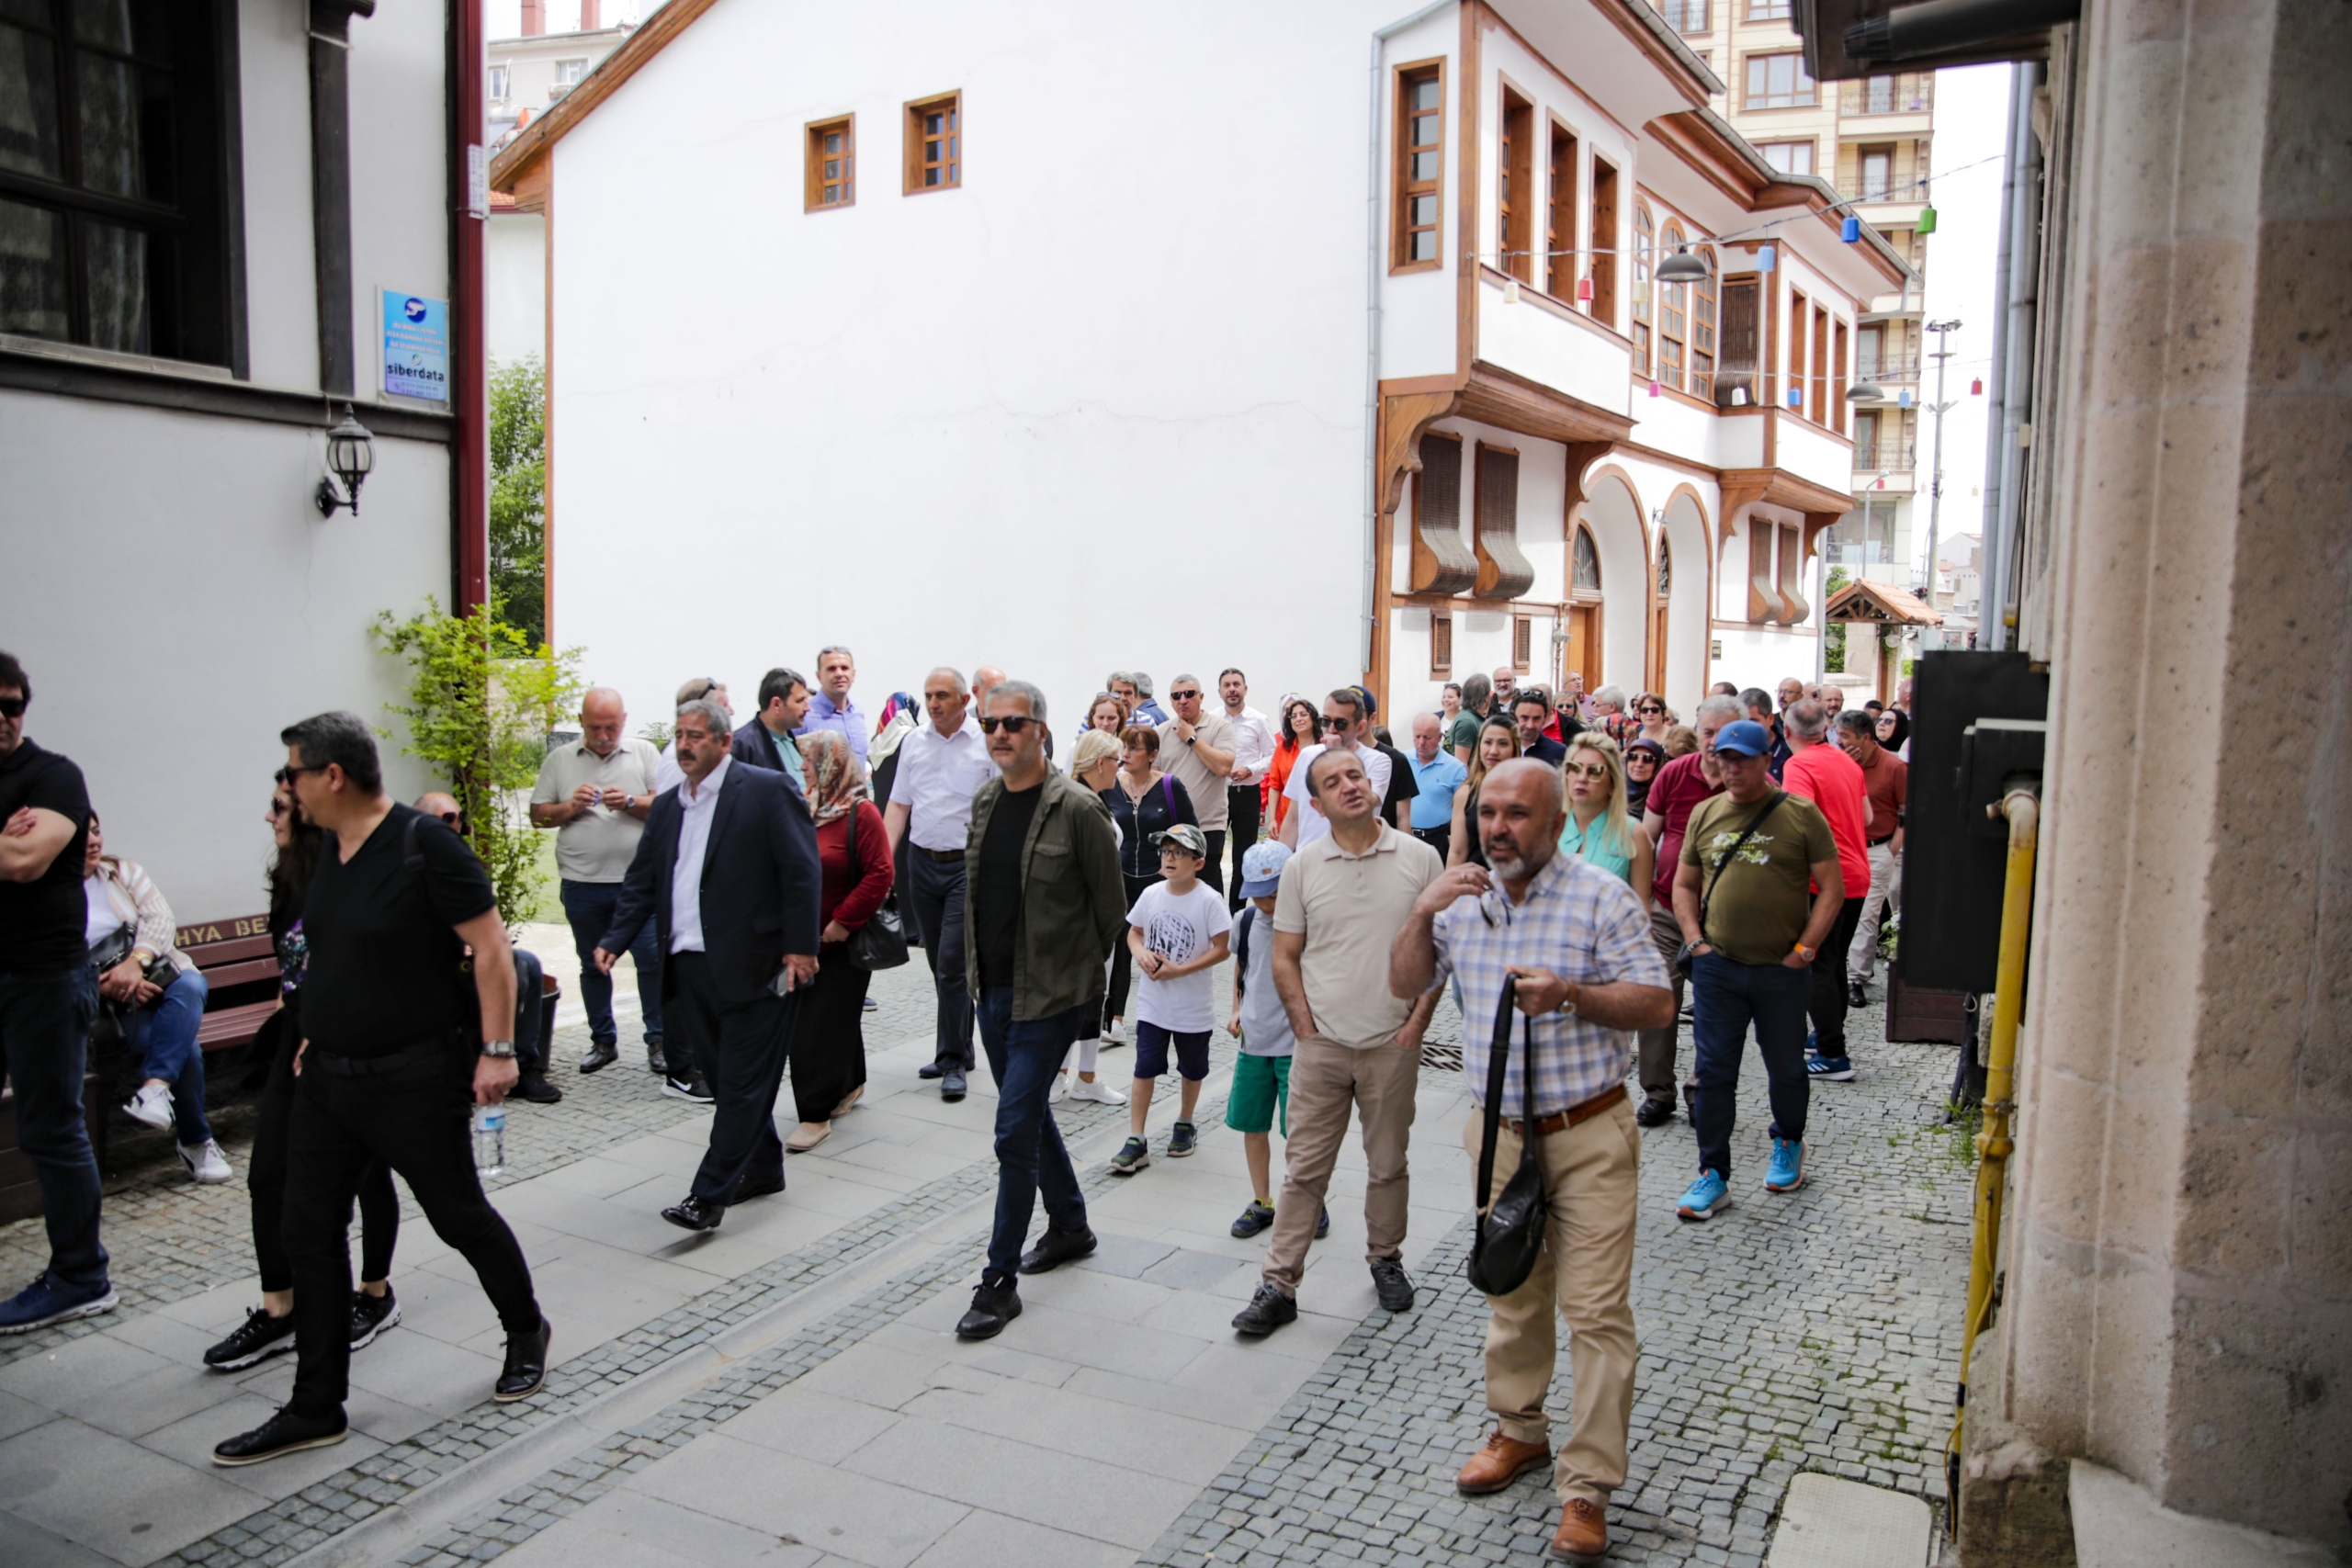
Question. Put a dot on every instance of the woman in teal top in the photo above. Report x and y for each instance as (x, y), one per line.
(1598, 827)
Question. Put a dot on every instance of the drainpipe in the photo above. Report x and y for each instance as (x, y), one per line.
(2021, 305)
(1372, 564)
(1989, 635)
(469, 362)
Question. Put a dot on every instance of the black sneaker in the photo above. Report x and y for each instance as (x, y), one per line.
(1654, 1113)
(535, 1088)
(1391, 1285)
(692, 1091)
(526, 1363)
(283, 1433)
(370, 1315)
(1254, 1218)
(1267, 1311)
(1183, 1139)
(1056, 1247)
(995, 1302)
(259, 1336)
(1133, 1155)
(1323, 1222)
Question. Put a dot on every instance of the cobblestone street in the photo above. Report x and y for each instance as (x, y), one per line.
(787, 1390)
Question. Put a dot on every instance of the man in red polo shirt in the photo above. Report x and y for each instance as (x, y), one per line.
(1832, 781)
(1676, 791)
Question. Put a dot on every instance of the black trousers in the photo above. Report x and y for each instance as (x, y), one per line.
(829, 1040)
(417, 1121)
(380, 1206)
(1213, 869)
(1439, 838)
(1828, 1006)
(740, 1050)
(936, 900)
(1114, 1000)
(1244, 814)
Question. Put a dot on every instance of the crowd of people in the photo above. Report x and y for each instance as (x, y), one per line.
(1576, 861)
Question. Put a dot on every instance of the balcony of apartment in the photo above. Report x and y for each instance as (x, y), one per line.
(1898, 369)
(1553, 343)
(1884, 468)
(1877, 107)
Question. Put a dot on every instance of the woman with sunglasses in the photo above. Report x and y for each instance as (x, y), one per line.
(1651, 717)
(1644, 757)
(1300, 729)
(269, 1328)
(1143, 801)
(1498, 744)
(1598, 827)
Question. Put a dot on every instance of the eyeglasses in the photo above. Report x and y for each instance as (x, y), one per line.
(1652, 707)
(276, 806)
(1183, 696)
(12, 707)
(293, 771)
(1012, 724)
(448, 816)
(1328, 722)
(1589, 770)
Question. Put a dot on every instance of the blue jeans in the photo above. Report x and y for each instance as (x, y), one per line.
(589, 907)
(1725, 997)
(1024, 1057)
(45, 1033)
(162, 1036)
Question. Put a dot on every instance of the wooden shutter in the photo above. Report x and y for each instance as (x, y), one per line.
(1522, 642)
(1763, 570)
(1442, 642)
(1503, 572)
(1442, 560)
(1738, 363)
(1794, 607)
(1604, 244)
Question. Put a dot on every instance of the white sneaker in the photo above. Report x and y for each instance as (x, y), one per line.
(1117, 1033)
(152, 1105)
(1097, 1091)
(1061, 1091)
(205, 1163)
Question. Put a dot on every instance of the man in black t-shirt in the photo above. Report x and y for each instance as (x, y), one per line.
(390, 1069)
(48, 997)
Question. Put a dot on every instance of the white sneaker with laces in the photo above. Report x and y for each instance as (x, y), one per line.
(1117, 1033)
(1061, 1091)
(205, 1163)
(152, 1105)
(1098, 1091)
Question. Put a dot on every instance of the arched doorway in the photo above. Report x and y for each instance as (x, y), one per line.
(1581, 653)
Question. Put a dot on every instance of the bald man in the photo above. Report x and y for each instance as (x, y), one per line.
(942, 765)
(594, 793)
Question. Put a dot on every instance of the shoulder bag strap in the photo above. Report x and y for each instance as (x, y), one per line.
(1167, 794)
(1497, 1063)
(1707, 897)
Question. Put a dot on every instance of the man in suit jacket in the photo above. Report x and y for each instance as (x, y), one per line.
(767, 741)
(727, 870)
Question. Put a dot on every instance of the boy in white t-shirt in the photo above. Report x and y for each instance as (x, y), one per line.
(1177, 931)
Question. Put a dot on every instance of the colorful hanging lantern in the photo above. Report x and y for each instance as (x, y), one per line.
(1765, 258)
(1976, 387)
(1851, 229)
(1926, 224)
(1584, 289)
(1510, 292)
(1796, 397)
(1903, 401)
(1654, 391)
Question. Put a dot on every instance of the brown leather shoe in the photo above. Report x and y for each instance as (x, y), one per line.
(1500, 1462)
(1583, 1535)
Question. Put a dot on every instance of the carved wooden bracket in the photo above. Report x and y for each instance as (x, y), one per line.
(1582, 456)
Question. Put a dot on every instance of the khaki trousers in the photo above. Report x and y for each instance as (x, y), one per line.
(1325, 1079)
(1592, 1187)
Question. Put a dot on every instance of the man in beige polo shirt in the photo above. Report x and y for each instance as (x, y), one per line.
(1199, 750)
(1343, 899)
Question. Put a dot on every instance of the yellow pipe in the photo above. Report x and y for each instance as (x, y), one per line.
(2022, 809)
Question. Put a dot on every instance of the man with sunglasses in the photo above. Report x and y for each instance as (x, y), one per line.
(1253, 757)
(1199, 748)
(942, 765)
(48, 994)
(1342, 726)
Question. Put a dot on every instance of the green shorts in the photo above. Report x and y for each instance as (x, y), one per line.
(1260, 1085)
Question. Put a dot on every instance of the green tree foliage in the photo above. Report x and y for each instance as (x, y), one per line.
(1834, 634)
(481, 698)
(518, 472)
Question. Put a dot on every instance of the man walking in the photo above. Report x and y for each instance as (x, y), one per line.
(1574, 938)
(831, 708)
(1679, 787)
(48, 994)
(1886, 779)
(1832, 781)
(1343, 727)
(727, 873)
(596, 795)
(942, 765)
(395, 1049)
(1752, 933)
(766, 741)
(1342, 899)
(1045, 903)
(1253, 757)
(1200, 751)
(1438, 774)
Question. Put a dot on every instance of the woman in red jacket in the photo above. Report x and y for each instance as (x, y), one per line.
(854, 854)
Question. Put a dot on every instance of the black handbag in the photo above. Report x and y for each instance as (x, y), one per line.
(881, 942)
(1505, 1240)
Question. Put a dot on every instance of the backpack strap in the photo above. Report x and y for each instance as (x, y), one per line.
(1241, 945)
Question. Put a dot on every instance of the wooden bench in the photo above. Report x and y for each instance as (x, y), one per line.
(240, 963)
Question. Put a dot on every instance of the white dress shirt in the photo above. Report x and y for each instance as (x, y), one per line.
(667, 774)
(1312, 823)
(695, 810)
(938, 775)
(1253, 745)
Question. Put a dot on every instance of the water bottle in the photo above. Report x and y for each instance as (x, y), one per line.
(489, 1139)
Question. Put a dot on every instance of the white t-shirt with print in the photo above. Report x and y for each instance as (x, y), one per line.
(1180, 927)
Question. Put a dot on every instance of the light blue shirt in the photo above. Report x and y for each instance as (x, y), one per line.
(1596, 849)
(1433, 807)
(845, 721)
(788, 752)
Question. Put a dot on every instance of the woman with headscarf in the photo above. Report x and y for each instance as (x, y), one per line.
(853, 857)
(1644, 757)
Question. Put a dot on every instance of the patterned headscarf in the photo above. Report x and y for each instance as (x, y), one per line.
(836, 782)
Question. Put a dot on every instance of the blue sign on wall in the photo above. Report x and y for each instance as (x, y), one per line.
(416, 346)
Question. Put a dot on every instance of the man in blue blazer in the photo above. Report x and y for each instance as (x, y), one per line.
(727, 869)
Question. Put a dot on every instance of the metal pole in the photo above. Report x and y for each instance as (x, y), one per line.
(2020, 95)
(2023, 304)
(1936, 473)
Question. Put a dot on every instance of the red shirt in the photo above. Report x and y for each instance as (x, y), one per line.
(853, 890)
(1888, 779)
(1674, 795)
(1833, 781)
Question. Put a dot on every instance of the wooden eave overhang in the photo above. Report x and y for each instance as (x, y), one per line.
(1722, 156)
(1881, 603)
(529, 151)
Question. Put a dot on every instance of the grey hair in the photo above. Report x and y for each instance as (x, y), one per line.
(1022, 689)
(709, 712)
(1178, 680)
(1477, 691)
(1142, 681)
(1112, 680)
(1613, 694)
(954, 678)
(1808, 719)
(835, 648)
(1729, 709)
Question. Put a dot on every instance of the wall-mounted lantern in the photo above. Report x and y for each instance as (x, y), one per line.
(351, 454)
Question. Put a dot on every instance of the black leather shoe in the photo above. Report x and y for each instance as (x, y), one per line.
(994, 1304)
(655, 1059)
(600, 1057)
(750, 1190)
(930, 1070)
(1654, 1113)
(1057, 1248)
(526, 1363)
(693, 1214)
(1267, 1311)
(1391, 1285)
(1856, 994)
(283, 1433)
(951, 1087)
(535, 1088)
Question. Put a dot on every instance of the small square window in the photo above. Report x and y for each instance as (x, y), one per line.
(935, 144)
(832, 165)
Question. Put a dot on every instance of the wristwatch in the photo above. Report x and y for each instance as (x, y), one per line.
(1808, 954)
(1568, 1003)
(1190, 739)
(500, 1050)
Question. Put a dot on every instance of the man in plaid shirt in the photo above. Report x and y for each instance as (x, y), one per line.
(1577, 941)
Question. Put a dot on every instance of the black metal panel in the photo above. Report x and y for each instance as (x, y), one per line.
(1954, 857)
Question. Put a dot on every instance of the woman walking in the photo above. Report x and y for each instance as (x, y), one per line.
(1094, 763)
(1598, 827)
(853, 859)
(1498, 744)
(1143, 801)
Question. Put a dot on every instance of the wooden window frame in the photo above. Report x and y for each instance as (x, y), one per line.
(1768, 11)
(1673, 314)
(1522, 643)
(1705, 333)
(1747, 99)
(1819, 360)
(1504, 572)
(1797, 370)
(1560, 216)
(1403, 189)
(1604, 243)
(1741, 296)
(1441, 643)
(918, 165)
(1515, 177)
(1443, 561)
(1837, 379)
(1644, 264)
(814, 180)
(1812, 146)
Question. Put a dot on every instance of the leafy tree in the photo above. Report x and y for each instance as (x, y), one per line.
(1833, 634)
(518, 553)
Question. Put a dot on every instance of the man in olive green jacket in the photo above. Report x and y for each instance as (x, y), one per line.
(1043, 903)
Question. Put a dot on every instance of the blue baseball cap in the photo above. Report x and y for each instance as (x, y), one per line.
(1261, 869)
(1745, 738)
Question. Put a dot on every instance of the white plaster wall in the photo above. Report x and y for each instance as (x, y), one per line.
(176, 610)
(1810, 452)
(1688, 675)
(515, 308)
(1543, 499)
(1620, 536)
(1763, 656)
(1417, 308)
(1674, 426)
(1739, 441)
(400, 168)
(1529, 339)
(281, 290)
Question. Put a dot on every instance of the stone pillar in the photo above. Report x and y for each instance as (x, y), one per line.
(2179, 1293)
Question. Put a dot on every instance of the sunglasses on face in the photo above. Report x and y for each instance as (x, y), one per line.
(1651, 709)
(448, 816)
(1589, 770)
(1183, 696)
(1012, 724)
(1329, 723)
(276, 806)
(12, 707)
